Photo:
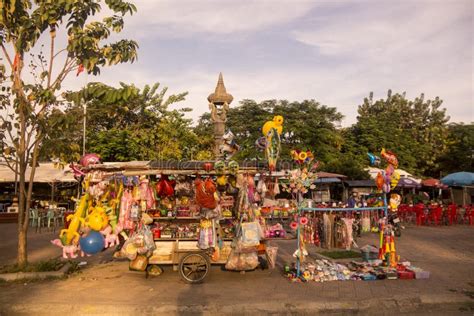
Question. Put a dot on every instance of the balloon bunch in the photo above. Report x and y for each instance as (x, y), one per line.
(302, 157)
(388, 179)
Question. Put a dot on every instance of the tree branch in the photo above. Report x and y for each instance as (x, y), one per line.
(7, 56)
(59, 52)
(51, 59)
(60, 77)
(8, 163)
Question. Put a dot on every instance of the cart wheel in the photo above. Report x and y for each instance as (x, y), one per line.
(194, 267)
(154, 270)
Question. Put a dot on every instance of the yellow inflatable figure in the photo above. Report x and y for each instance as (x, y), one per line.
(277, 124)
(394, 180)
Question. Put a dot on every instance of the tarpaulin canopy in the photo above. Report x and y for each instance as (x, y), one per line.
(45, 173)
(373, 172)
(459, 179)
(408, 183)
(434, 183)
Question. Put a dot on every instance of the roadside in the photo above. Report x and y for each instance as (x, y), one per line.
(109, 288)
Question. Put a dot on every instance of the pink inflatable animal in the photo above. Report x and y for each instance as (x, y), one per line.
(70, 250)
(111, 239)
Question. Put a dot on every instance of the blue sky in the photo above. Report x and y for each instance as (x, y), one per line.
(335, 52)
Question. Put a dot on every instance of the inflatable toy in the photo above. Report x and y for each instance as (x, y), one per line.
(92, 243)
(276, 123)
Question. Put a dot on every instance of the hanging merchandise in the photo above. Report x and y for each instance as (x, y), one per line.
(205, 193)
(164, 187)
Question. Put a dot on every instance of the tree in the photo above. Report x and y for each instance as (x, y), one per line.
(29, 102)
(459, 153)
(307, 125)
(415, 130)
(127, 123)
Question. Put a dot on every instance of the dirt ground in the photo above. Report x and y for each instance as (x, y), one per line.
(106, 287)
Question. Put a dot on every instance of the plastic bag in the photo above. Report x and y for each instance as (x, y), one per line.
(139, 263)
(271, 254)
(251, 234)
(241, 261)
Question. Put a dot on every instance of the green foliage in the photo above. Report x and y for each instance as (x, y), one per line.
(126, 124)
(415, 130)
(307, 125)
(30, 105)
(459, 153)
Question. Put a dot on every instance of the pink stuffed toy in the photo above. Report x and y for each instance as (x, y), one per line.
(110, 238)
(70, 250)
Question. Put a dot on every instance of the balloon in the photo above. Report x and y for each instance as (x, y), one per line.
(379, 181)
(164, 187)
(233, 167)
(276, 123)
(261, 143)
(389, 171)
(92, 243)
(97, 220)
(207, 166)
(395, 179)
(374, 160)
(89, 159)
(390, 157)
(219, 166)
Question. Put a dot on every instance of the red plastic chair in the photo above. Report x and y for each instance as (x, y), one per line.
(403, 212)
(452, 214)
(469, 214)
(435, 214)
(420, 214)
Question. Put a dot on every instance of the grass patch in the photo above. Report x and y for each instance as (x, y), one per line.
(40, 266)
(344, 254)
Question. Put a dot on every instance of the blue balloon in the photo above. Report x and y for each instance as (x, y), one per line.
(92, 243)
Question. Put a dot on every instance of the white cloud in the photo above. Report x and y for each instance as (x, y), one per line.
(183, 18)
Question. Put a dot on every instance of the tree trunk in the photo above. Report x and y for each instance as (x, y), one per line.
(22, 254)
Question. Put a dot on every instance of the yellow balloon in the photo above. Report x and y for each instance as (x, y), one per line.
(276, 123)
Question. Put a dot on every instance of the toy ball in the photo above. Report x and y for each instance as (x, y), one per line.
(92, 243)
(89, 159)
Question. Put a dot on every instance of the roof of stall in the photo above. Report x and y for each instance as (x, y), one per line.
(45, 173)
(360, 183)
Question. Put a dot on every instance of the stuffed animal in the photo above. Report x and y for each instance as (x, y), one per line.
(70, 250)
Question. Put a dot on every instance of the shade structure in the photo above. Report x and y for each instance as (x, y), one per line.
(459, 179)
(433, 183)
(45, 173)
(408, 183)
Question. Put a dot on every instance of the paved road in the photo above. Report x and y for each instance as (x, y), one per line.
(447, 252)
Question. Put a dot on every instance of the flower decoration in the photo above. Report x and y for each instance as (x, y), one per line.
(300, 181)
(304, 220)
(294, 225)
(302, 157)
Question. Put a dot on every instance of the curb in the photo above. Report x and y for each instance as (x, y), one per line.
(35, 275)
(423, 305)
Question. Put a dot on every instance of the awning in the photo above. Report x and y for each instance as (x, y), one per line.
(327, 180)
(44, 173)
(360, 183)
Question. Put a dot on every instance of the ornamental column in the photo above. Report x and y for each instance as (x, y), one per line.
(219, 105)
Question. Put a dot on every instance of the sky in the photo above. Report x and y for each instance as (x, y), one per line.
(335, 52)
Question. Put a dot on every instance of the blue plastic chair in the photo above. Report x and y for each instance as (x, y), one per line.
(36, 219)
(51, 218)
